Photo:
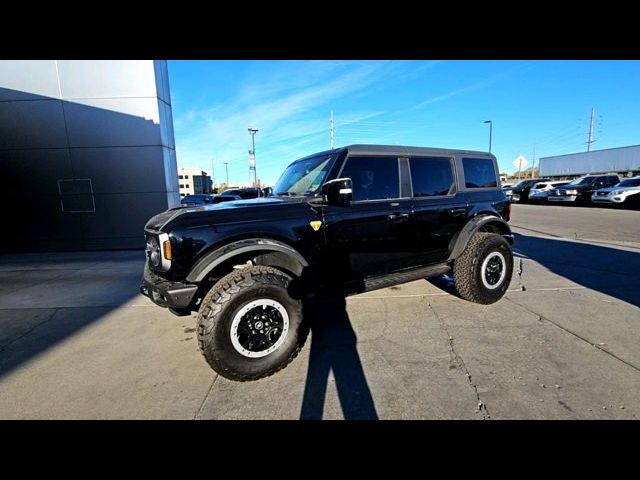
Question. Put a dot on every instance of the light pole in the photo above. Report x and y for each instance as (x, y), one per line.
(490, 132)
(213, 178)
(252, 132)
(226, 168)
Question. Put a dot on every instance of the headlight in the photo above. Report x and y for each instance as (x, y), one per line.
(617, 192)
(571, 192)
(158, 251)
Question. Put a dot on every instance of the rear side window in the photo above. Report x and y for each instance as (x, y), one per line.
(479, 173)
(431, 176)
(373, 178)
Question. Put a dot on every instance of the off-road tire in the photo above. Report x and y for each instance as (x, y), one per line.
(467, 268)
(221, 304)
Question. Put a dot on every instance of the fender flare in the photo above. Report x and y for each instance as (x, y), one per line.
(460, 241)
(221, 254)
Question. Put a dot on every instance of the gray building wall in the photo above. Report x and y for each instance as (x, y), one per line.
(87, 152)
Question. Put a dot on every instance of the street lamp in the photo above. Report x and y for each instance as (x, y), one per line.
(252, 132)
(227, 170)
(490, 132)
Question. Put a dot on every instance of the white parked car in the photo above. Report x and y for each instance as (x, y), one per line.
(625, 192)
(540, 190)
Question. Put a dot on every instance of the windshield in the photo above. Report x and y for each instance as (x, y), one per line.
(195, 199)
(631, 182)
(304, 177)
(524, 183)
(582, 181)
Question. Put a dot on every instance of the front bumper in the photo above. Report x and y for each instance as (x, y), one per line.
(537, 196)
(608, 199)
(562, 198)
(162, 292)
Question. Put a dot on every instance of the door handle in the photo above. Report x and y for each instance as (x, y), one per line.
(457, 212)
(398, 217)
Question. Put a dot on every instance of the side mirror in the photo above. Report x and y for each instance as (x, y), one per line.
(514, 198)
(338, 191)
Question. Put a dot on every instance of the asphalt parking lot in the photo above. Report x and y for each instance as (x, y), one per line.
(78, 341)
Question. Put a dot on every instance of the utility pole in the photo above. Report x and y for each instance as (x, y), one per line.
(252, 132)
(591, 140)
(519, 167)
(331, 128)
(533, 163)
(226, 168)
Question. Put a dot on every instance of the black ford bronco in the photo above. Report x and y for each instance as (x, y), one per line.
(348, 220)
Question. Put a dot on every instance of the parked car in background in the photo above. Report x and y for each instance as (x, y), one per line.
(580, 190)
(198, 199)
(225, 197)
(244, 193)
(540, 190)
(522, 188)
(506, 185)
(626, 192)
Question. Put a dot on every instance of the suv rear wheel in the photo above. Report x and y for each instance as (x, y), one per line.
(483, 272)
(249, 327)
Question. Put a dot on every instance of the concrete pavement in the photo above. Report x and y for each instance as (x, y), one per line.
(77, 341)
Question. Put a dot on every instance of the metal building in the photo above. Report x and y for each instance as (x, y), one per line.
(619, 160)
(87, 152)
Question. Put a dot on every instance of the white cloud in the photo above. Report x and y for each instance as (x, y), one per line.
(290, 107)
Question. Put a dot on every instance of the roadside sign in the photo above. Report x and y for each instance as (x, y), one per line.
(520, 162)
(252, 161)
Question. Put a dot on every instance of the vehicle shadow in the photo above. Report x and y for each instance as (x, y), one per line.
(334, 349)
(612, 271)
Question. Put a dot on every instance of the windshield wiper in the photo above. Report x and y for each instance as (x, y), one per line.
(288, 194)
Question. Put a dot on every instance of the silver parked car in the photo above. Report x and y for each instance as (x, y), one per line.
(626, 192)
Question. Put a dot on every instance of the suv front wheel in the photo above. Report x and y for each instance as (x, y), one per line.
(249, 327)
(483, 272)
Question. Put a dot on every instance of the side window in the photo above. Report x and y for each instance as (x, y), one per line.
(479, 173)
(431, 176)
(373, 178)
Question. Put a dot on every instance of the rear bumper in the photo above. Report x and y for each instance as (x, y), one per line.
(167, 294)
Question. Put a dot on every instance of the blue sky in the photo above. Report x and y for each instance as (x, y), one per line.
(421, 103)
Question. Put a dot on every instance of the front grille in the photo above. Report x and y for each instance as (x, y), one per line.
(601, 194)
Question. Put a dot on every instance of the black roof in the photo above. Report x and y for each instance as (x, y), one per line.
(397, 150)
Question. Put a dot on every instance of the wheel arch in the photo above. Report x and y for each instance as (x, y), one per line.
(481, 223)
(269, 252)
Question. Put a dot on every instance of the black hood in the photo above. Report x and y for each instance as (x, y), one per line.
(237, 210)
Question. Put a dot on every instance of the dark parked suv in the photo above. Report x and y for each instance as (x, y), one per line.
(339, 222)
(579, 191)
(523, 187)
(244, 193)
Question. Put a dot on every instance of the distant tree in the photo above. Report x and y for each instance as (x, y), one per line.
(531, 172)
